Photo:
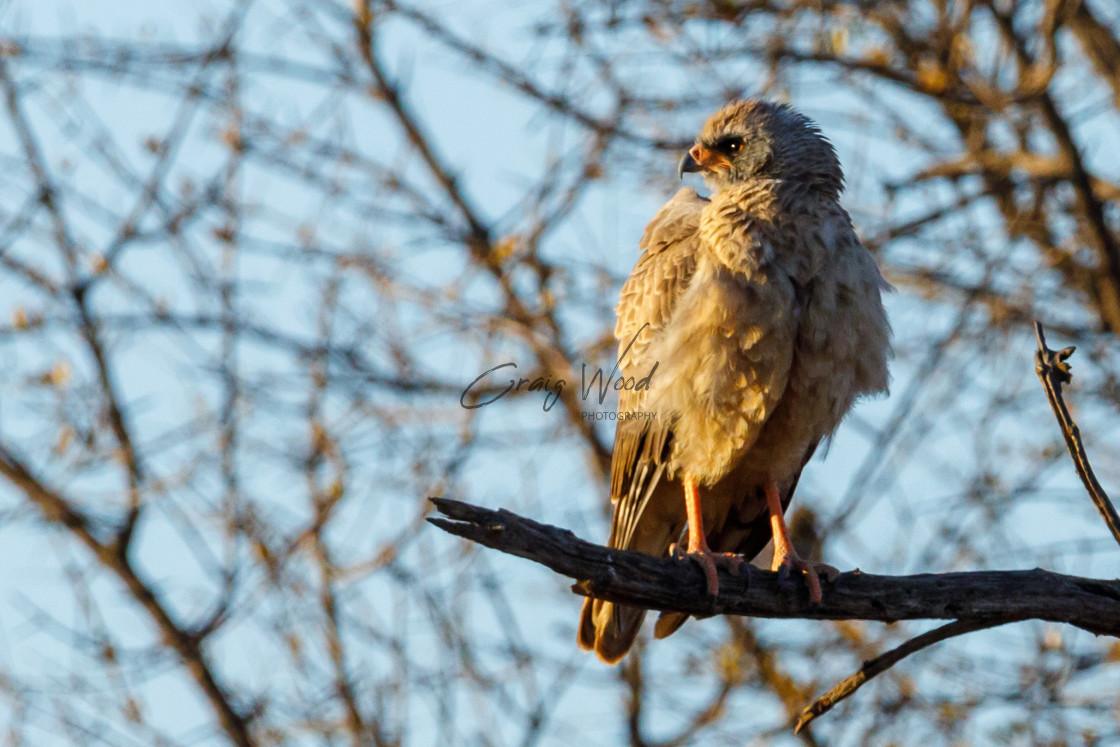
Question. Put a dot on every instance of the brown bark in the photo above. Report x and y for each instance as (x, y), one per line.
(634, 578)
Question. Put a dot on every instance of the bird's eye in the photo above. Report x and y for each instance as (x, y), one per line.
(731, 144)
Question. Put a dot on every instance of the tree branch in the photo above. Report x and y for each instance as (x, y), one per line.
(874, 667)
(990, 597)
(1053, 372)
(114, 556)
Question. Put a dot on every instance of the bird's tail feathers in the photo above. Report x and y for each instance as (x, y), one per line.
(608, 628)
(669, 623)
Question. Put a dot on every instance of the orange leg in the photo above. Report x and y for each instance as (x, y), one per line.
(697, 540)
(785, 557)
(698, 549)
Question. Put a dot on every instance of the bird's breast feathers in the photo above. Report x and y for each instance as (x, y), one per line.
(769, 339)
(724, 360)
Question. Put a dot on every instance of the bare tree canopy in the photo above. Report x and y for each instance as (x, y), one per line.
(273, 272)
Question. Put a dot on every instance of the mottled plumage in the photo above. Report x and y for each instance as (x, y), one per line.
(765, 319)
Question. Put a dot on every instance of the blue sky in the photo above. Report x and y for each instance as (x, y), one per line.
(499, 144)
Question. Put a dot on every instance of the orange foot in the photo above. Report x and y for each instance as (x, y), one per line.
(698, 549)
(786, 558)
(790, 562)
(709, 562)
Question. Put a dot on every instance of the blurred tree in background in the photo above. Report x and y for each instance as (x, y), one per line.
(252, 253)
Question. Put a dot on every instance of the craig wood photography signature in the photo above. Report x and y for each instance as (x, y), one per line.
(553, 388)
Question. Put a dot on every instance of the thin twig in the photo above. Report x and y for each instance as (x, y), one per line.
(882, 663)
(1053, 372)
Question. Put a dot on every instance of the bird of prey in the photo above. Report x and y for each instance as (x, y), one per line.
(763, 313)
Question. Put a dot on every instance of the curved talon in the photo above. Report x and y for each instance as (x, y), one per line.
(736, 564)
(812, 571)
(710, 561)
(830, 572)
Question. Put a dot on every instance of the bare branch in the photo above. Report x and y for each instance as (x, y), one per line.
(988, 597)
(114, 556)
(1053, 372)
(880, 664)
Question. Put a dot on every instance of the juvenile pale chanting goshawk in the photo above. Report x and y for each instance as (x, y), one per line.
(764, 314)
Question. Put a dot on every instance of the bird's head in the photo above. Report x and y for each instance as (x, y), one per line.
(757, 139)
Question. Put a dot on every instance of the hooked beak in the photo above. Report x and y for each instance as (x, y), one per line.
(687, 165)
(701, 159)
